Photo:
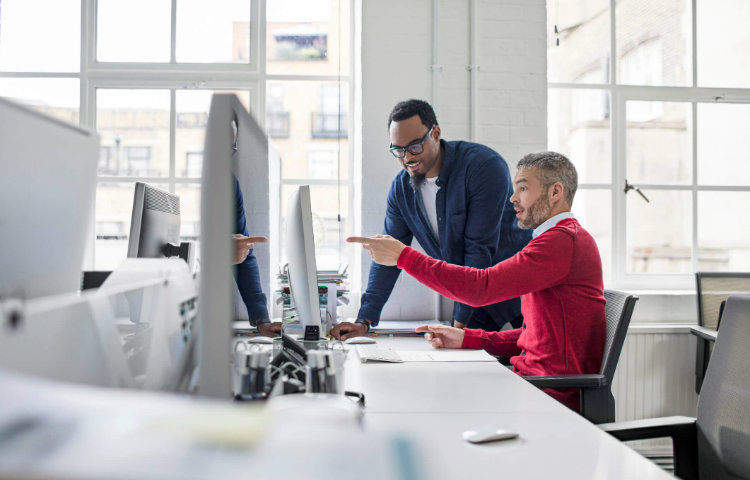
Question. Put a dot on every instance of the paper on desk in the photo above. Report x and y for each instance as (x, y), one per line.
(446, 355)
(402, 326)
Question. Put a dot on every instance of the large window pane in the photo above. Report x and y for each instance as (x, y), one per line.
(659, 232)
(221, 37)
(114, 208)
(304, 118)
(723, 43)
(328, 202)
(659, 143)
(190, 212)
(654, 42)
(40, 35)
(721, 218)
(723, 144)
(307, 37)
(134, 130)
(578, 41)
(579, 127)
(133, 31)
(593, 210)
(190, 131)
(58, 97)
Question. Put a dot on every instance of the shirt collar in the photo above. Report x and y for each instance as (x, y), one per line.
(551, 222)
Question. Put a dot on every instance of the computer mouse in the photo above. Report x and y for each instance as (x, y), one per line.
(359, 340)
(488, 434)
(259, 339)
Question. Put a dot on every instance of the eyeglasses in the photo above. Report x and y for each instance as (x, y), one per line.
(414, 148)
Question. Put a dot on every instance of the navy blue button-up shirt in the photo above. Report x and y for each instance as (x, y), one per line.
(476, 224)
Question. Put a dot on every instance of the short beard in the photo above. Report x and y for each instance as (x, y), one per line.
(537, 213)
(416, 180)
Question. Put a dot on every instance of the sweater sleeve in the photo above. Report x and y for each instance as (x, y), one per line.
(504, 344)
(543, 263)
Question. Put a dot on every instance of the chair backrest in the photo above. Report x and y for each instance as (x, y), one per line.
(619, 309)
(724, 403)
(713, 288)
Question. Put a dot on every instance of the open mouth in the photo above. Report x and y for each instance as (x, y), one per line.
(412, 165)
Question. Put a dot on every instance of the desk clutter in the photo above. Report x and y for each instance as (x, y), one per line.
(92, 433)
(291, 367)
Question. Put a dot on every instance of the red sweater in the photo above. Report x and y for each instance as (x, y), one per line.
(558, 276)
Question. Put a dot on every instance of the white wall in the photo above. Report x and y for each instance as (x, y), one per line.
(397, 51)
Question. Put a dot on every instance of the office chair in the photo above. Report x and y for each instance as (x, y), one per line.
(597, 401)
(716, 443)
(712, 289)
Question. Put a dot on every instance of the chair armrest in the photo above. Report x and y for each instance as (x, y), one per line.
(593, 380)
(682, 430)
(704, 333)
(650, 428)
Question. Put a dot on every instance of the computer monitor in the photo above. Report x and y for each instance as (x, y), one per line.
(155, 223)
(250, 165)
(47, 188)
(300, 252)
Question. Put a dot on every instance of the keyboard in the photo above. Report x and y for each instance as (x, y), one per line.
(376, 353)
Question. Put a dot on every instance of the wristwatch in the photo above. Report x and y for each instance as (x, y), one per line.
(365, 322)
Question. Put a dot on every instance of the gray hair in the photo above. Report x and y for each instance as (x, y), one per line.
(553, 167)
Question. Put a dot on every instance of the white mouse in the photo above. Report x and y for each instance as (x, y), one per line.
(359, 340)
(259, 339)
(488, 434)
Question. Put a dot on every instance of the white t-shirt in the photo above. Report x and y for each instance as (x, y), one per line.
(429, 189)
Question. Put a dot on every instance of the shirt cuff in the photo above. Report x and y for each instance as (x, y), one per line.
(472, 338)
(407, 258)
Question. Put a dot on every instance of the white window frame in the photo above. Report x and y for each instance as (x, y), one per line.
(619, 96)
(251, 77)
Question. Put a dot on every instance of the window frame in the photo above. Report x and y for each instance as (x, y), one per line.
(619, 95)
(173, 76)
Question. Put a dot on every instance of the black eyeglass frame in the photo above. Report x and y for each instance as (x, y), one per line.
(413, 148)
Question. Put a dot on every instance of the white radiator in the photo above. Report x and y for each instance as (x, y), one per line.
(655, 376)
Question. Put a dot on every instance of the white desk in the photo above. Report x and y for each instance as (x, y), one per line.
(434, 402)
(86, 432)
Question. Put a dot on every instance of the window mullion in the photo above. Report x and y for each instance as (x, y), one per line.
(173, 34)
(172, 137)
(619, 205)
(694, 197)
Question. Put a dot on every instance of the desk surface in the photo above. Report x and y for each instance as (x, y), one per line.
(86, 432)
(434, 402)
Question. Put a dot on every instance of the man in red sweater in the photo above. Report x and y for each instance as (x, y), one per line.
(558, 276)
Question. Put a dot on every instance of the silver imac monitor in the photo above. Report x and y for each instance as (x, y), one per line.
(249, 164)
(155, 223)
(47, 188)
(300, 252)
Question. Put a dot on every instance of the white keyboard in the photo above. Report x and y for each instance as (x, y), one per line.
(375, 353)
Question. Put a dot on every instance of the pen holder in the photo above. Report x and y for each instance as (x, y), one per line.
(252, 367)
(321, 372)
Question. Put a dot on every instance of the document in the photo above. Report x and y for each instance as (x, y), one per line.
(402, 326)
(446, 355)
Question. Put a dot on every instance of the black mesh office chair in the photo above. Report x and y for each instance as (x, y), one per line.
(715, 444)
(712, 289)
(597, 401)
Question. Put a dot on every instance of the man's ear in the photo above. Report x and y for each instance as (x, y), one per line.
(436, 132)
(557, 192)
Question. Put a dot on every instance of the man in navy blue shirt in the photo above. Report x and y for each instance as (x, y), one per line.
(453, 197)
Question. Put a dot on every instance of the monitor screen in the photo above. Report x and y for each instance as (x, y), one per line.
(47, 188)
(300, 252)
(155, 223)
